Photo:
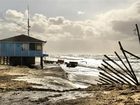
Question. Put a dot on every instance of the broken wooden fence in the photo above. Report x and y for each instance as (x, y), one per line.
(123, 74)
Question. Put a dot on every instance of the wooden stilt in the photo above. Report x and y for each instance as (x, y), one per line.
(6, 60)
(41, 62)
(0, 60)
(3, 60)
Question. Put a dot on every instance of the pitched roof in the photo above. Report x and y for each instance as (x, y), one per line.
(22, 38)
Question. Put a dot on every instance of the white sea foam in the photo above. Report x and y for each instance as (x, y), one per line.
(87, 69)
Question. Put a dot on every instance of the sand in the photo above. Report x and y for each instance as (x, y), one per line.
(25, 86)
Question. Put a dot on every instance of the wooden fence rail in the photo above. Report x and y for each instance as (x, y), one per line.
(122, 75)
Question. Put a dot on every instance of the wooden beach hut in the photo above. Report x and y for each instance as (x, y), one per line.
(21, 50)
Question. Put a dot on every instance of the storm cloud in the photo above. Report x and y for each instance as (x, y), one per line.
(97, 35)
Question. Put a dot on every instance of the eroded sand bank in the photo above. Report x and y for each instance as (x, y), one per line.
(24, 86)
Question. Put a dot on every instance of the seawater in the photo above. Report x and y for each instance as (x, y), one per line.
(88, 72)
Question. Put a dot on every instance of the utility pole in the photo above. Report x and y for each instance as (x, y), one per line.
(28, 22)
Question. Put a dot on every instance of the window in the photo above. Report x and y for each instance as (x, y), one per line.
(38, 47)
(25, 46)
(32, 46)
(35, 46)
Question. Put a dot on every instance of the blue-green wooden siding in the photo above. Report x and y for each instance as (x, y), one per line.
(15, 49)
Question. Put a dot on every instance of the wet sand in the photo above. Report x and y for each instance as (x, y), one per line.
(25, 86)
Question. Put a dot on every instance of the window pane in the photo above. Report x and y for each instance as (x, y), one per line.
(39, 47)
(32, 46)
(25, 46)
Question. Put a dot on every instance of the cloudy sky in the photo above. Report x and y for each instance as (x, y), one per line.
(74, 26)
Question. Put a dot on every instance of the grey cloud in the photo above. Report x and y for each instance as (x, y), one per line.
(75, 30)
(57, 21)
(125, 27)
(55, 29)
(37, 27)
(137, 5)
(92, 46)
(39, 17)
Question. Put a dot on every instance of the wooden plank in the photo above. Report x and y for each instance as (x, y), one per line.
(116, 72)
(137, 28)
(128, 63)
(117, 79)
(130, 77)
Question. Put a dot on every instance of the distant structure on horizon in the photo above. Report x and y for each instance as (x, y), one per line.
(21, 50)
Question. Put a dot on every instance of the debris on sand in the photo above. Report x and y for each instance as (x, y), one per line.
(23, 92)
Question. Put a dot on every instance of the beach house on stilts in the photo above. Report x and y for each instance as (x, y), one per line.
(21, 50)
